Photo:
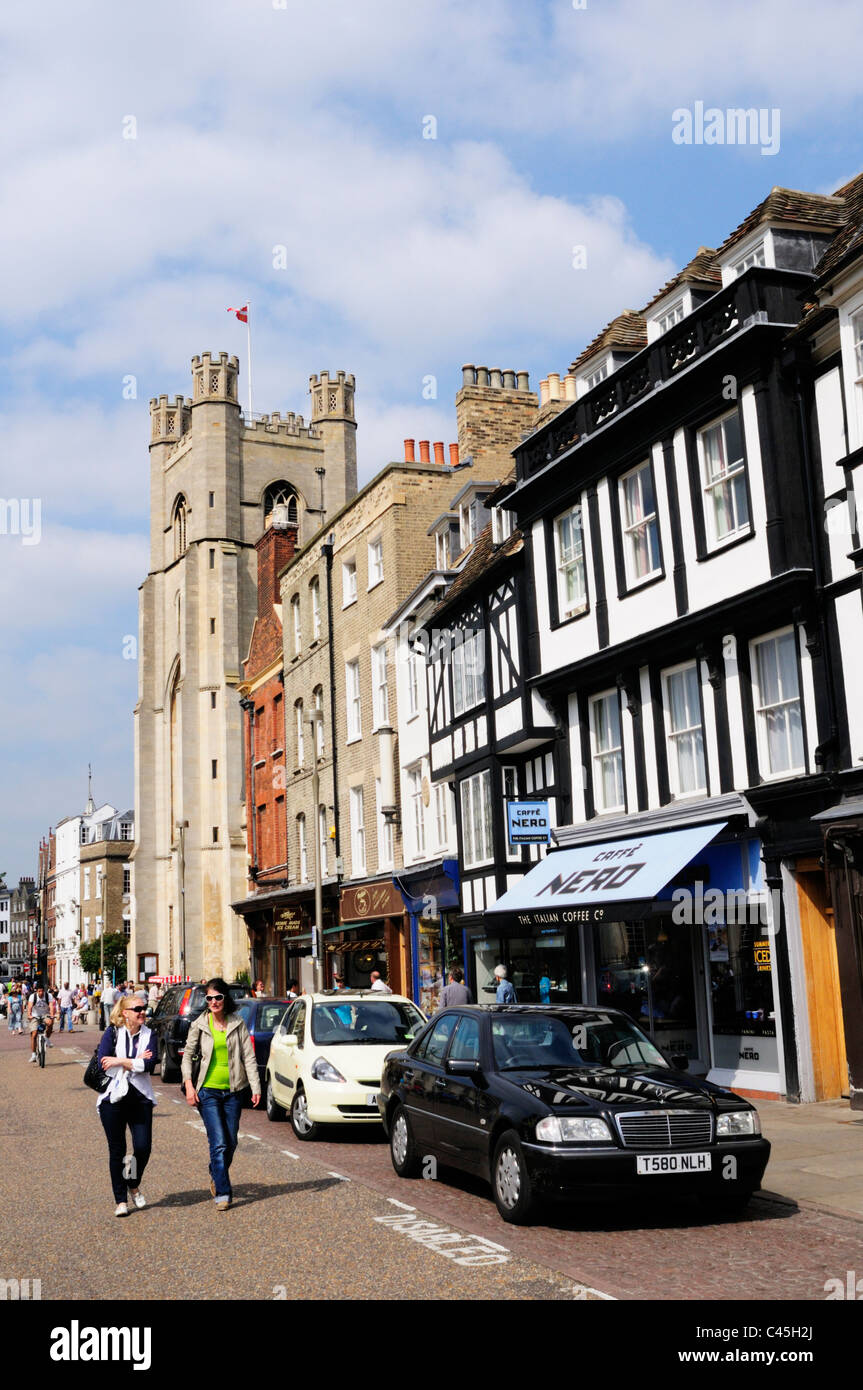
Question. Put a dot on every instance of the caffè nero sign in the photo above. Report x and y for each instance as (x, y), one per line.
(590, 883)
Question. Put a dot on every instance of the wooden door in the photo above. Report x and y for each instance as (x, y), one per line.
(822, 987)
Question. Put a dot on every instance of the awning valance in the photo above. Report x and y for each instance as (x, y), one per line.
(603, 881)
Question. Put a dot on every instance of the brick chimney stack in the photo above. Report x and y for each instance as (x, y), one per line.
(494, 410)
(276, 548)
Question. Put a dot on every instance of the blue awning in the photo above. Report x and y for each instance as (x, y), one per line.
(604, 881)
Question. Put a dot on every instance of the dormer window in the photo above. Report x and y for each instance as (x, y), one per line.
(754, 257)
(502, 525)
(672, 315)
(473, 516)
(595, 377)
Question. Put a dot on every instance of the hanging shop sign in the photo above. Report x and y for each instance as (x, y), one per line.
(372, 900)
(528, 823)
(288, 919)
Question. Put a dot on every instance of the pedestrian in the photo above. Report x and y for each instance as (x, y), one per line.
(218, 1066)
(126, 1051)
(108, 1000)
(16, 1010)
(39, 1007)
(456, 992)
(66, 1002)
(153, 995)
(292, 990)
(376, 983)
(505, 990)
(259, 989)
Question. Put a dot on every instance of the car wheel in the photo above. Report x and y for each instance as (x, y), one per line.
(510, 1180)
(725, 1204)
(403, 1152)
(169, 1072)
(303, 1127)
(275, 1111)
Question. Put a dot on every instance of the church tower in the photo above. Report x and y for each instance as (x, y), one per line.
(215, 477)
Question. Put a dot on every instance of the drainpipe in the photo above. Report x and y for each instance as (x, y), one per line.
(327, 553)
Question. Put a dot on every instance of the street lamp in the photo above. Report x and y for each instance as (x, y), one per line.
(317, 936)
(182, 826)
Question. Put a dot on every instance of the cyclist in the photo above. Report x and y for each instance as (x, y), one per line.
(39, 1007)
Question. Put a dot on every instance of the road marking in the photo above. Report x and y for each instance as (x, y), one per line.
(471, 1251)
(288, 1154)
(341, 1177)
(242, 1135)
(583, 1291)
(196, 1124)
(393, 1201)
(176, 1102)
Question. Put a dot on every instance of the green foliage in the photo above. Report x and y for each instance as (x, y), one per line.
(115, 954)
(243, 978)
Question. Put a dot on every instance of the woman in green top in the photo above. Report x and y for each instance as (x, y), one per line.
(220, 1050)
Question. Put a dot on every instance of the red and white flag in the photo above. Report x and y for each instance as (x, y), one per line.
(242, 314)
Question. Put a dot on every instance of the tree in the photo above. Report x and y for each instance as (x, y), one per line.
(115, 954)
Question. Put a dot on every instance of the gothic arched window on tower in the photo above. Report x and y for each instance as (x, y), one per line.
(180, 541)
(280, 498)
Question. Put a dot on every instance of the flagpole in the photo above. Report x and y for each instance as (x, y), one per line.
(249, 351)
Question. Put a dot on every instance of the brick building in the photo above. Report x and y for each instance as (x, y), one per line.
(105, 883)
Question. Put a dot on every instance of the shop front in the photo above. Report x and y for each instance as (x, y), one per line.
(674, 928)
(430, 894)
(279, 925)
(374, 935)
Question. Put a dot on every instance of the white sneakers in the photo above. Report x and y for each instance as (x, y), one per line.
(122, 1209)
(138, 1200)
(32, 1057)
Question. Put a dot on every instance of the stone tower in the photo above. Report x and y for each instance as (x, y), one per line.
(214, 478)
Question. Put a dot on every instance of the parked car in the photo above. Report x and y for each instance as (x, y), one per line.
(178, 1007)
(565, 1101)
(262, 1017)
(327, 1055)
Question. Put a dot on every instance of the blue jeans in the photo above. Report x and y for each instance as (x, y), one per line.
(66, 1017)
(15, 1020)
(220, 1111)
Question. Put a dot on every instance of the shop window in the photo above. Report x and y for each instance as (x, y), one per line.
(645, 969)
(741, 983)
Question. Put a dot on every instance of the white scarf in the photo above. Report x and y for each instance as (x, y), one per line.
(121, 1076)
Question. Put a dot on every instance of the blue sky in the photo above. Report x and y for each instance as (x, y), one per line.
(261, 124)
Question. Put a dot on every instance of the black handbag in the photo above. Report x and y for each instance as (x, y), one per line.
(94, 1076)
(196, 1068)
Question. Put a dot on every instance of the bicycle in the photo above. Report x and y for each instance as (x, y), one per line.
(41, 1042)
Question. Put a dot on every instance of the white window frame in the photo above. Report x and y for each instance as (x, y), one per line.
(376, 561)
(300, 733)
(349, 582)
(315, 587)
(708, 485)
(380, 687)
(673, 736)
(87, 882)
(298, 627)
(598, 755)
(856, 321)
(414, 785)
(761, 709)
(441, 550)
(630, 529)
(386, 841)
(756, 255)
(563, 565)
(674, 314)
(358, 832)
(303, 848)
(319, 731)
(353, 702)
(413, 675)
(599, 374)
(502, 525)
(468, 673)
(442, 813)
(475, 794)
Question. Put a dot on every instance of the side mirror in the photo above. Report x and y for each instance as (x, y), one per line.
(680, 1061)
(459, 1068)
(291, 1039)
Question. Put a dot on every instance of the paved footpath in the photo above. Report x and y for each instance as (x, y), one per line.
(344, 1232)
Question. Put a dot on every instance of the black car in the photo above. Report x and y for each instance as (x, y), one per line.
(175, 1011)
(565, 1101)
(262, 1017)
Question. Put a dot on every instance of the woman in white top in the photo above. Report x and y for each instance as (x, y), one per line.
(126, 1052)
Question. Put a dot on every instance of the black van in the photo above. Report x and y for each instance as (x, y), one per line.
(179, 1006)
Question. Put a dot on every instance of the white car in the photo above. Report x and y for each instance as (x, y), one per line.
(328, 1053)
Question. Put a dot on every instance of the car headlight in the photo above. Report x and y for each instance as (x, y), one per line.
(735, 1122)
(322, 1070)
(556, 1129)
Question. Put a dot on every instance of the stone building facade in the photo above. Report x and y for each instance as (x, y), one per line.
(105, 883)
(215, 476)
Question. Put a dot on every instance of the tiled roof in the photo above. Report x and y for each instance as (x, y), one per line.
(701, 270)
(628, 331)
(789, 205)
(848, 241)
(484, 557)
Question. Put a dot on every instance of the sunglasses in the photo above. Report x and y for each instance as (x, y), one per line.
(135, 1011)
(214, 998)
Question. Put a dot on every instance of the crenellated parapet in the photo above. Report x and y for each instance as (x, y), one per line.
(214, 378)
(276, 423)
(169, 419)
(332, 396)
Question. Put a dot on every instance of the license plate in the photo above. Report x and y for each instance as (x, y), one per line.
(372, 1097)
(647, 1164)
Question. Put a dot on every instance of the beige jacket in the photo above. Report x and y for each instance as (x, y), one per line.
(242, 1066)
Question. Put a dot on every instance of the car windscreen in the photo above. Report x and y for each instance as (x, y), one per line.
(355, 1023)
(523, 1041)
(269, 1017)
